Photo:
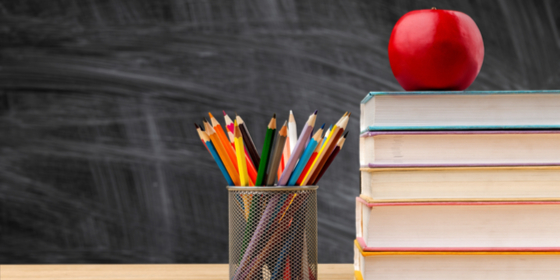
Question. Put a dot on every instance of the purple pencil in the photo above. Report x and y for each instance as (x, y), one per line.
(296, 153)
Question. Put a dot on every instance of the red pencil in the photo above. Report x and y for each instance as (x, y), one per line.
(309, 163)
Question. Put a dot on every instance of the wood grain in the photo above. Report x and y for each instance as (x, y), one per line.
(145, 272)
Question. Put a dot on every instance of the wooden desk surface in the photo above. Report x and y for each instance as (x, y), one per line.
(144, 272)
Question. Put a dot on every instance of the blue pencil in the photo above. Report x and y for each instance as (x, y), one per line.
(305, 157)
(216, 157)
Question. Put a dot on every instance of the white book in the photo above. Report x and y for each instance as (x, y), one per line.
(500, 183)
(457, 110)
(460, 148)
(454, 226)
(455, 265)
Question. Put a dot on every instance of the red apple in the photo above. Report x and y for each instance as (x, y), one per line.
(435, 50)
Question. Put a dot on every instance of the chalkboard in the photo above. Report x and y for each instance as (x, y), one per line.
(99, 158)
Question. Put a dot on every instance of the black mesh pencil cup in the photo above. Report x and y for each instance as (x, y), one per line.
(273, 232)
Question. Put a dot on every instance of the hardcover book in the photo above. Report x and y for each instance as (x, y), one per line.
(455, 265)
(459, 148)
(458, 226)
(500, 183)
(460, 110)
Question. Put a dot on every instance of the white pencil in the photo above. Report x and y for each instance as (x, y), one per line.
(292, 132)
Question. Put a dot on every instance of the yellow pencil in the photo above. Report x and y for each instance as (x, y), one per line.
(239, 150)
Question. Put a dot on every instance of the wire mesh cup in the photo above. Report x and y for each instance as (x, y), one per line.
(273, 232)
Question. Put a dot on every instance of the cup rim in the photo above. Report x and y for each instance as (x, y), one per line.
(271, 188)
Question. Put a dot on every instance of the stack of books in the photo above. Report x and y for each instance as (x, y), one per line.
(459, 185)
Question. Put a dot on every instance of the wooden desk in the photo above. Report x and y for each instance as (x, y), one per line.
(145, 272)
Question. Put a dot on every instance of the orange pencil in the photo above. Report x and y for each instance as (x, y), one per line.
(223, 138)
(232, 171)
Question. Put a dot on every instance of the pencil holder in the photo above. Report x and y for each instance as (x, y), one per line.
(273, 232)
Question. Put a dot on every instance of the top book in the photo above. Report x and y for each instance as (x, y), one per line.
(460, 110)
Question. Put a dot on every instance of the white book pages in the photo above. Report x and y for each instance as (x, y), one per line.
(461, 267)
(451, 226)
(461, 184)
(461, 149)
(423, 110)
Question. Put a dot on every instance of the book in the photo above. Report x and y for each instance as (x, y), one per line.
(459, 110)
(455, 265)
(458, 226)
(459, 148)
(499, 183)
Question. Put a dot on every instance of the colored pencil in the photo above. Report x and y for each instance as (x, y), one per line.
(309, 163)
(222, 153)
(292, 132)
(278, 147)
(296, 153)
(285, 155)
(326, 133)
(331, 157)
(324, 155)
(223, 138)
(206, 140)
(198, 130)
(315, 140)
(267, 147)
(229, 126)
(243, 175)
(322, 151)
(250, 167)
(231, 150)
(248, 140)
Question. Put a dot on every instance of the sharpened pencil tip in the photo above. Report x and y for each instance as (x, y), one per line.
(349, 113)
(346, 134)
(210, 114)
(315, 113)
(196, 125)
(274, 116)
(323, 126)
(204, 119)
(224, 113)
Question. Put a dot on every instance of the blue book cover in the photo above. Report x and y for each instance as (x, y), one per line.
(460, 110)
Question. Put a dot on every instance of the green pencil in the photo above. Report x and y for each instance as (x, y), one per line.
(265, 154)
